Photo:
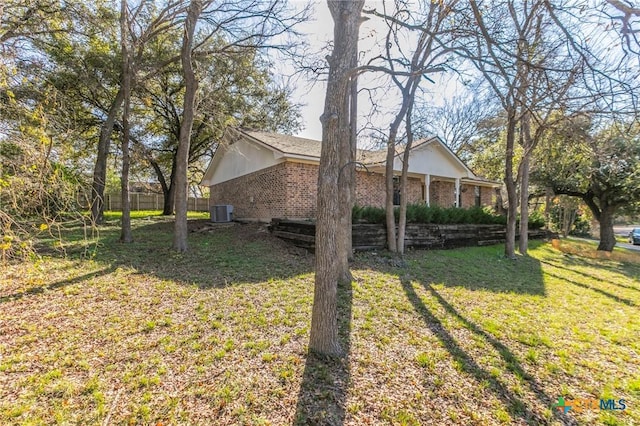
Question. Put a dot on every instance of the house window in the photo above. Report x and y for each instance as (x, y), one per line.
(478, 199)
(396, 191)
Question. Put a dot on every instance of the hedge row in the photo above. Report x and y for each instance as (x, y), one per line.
(421, 213)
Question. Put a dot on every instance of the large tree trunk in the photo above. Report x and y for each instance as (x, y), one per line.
(170, 192)
(169, 202)
(607, 236)
(182, 157)
(100, 169)
(335, 134)
(604, 213)
(125, 226)
(167, 190)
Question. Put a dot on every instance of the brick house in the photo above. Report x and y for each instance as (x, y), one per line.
(269, 175)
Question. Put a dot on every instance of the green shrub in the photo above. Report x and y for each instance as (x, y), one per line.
(457, 215)
(421, 213)
(582, 227)
(356, 214)
(536, 220)
(368, 214)
(413, 212)
(438, 214)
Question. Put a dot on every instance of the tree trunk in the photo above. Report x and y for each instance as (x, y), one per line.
(167, 191)
(335, 134)
(607, 236)
(169, 202)
(512, 199)
(527, 144)
(182, 156)
(566, 219)
(390, 217)
(125, 226)
(170, 193)
(347, 173)
(499, 205)
(548, 197)
(402, 214)
(100, 169)
(523, 242)
(404, 184)
(392, 242)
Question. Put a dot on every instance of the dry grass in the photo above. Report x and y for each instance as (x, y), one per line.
(136, 334)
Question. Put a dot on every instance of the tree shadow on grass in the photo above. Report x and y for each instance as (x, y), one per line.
(513, 364)
(325, 381)
(612, 296)
(590, 276)
(478, 269)
(218, 256)
(623, 263)
(516, 406)
(55, 285)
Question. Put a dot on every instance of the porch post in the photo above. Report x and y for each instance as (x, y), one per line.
(457, 203)
(427, 189)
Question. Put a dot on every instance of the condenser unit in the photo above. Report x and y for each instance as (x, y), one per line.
(222, 213)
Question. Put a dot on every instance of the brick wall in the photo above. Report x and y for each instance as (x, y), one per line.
(258, 195)
(468, 196)
(290, 189)
(301, 184)
(487, 197)
(415, 191)
(370, 189)
(442, 193)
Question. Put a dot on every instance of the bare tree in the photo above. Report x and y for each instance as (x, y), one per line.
(455, 121)
(523, 58)
(430, 28)
(629, 17)
(336, 143)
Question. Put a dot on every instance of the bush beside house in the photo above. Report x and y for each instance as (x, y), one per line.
(421, 213)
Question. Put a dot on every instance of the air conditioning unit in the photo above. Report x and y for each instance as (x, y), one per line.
(222, 213)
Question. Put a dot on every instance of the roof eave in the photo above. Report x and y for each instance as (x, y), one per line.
(289, 156)
(491, 183)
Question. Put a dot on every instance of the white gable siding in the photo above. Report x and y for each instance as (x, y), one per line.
(432, 159)
(239, 159)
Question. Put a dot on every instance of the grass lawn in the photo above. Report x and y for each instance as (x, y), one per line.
(137, 334)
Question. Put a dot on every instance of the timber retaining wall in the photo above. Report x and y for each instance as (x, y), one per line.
(418, 235)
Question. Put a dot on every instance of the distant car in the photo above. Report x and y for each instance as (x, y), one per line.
(634, 236)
